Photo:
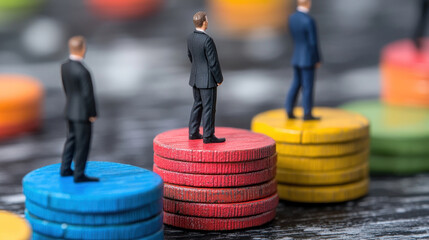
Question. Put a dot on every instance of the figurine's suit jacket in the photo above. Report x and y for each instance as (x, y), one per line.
(80, 107)
(304, 34)
(305, 57)
(77, 85)
(206, 71)
(206, 74)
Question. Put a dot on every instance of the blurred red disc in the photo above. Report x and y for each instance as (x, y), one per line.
(124, 9)
(8, 131)
(405, 74)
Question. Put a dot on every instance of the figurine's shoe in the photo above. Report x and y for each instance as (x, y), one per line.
(310, 118)
(195, 136)
(85, 178)
(291, 116)
(67, 173)
(213, 139)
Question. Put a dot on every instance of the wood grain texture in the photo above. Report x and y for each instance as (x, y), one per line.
(323, 194)
(241, 145)
(311, 164)
(220, 195)
(229, 180)
(121, 187)
(217, 224)
(335, 126)
(342, 176)
(323, 150)
(133, 230)
(215, 168)
(228, 210)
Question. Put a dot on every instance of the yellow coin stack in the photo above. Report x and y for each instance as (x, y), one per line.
(13, 227)
(321, 161)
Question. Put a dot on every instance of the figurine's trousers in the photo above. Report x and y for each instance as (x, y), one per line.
(204, 107)
(77, 147)
(303, 78)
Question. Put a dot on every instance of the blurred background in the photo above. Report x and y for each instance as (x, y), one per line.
(137, 57)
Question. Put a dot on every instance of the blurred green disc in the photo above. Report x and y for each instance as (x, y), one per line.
(12, 10)
(397, 131)
(399, 165)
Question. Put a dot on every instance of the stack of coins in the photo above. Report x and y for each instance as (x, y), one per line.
(13, 227)
(399, 137)
(125, 204)
(222, 186)
(321, 161)
(239, 17)
(20, 105)
(405, 75)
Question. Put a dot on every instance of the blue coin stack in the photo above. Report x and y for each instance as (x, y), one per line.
(125, 204)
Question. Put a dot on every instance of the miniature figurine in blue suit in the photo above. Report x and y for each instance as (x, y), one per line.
(305, 59)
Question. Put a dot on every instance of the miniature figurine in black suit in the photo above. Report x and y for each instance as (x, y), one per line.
(80, 111)
(305, 59)
(421, 23)
(206, 76)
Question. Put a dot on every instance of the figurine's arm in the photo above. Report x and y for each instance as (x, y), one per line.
(62, 79)
(213, 60)
(312, 33)
(189, 55)
(88, 93)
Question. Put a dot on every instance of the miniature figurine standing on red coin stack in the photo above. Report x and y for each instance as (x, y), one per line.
(218, 186)
(206, 76)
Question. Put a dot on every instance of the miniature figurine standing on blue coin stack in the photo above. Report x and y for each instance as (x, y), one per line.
(80, 111)
(120, 202)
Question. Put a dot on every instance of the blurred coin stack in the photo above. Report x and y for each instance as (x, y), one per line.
(399, 137)
(125, 9)
(238, 17)
(222, 186)
(125, 204)
(13, 227)
(405, 74)
(400, 121)
(20, 105)
(321, 161)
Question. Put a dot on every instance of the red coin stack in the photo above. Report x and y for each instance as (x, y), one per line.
(222, 186)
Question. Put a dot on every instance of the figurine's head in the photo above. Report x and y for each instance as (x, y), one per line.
(304, 3)
(200, 20)
(77, 46)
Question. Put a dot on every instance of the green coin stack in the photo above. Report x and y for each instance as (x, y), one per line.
(399, 137)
